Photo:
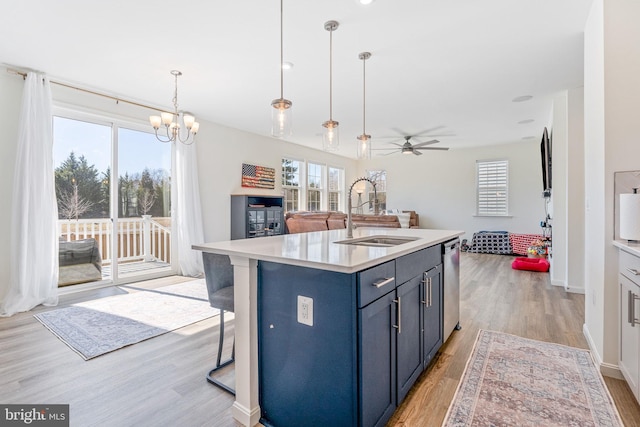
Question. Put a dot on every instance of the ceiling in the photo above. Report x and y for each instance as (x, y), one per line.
(443, 69)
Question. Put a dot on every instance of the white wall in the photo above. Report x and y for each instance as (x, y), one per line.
(221, 152)
(440, 186)
(559, 147)
(612, 67)
(575, 191)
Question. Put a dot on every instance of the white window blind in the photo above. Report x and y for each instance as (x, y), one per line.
(492, 188)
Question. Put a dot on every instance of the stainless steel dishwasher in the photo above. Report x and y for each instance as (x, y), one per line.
(451, 261)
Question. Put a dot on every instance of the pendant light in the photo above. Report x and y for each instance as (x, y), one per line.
(281, 117)
(330, 136)
(364, 144)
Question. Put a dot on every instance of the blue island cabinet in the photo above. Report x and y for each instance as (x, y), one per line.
(338, 349)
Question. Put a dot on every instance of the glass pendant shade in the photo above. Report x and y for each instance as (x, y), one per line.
(364, 147)
(281, 118)
(331, 135)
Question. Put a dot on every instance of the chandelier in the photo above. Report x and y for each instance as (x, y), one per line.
(281, 120)
(330, 137)
(171, 121)
(364, 144)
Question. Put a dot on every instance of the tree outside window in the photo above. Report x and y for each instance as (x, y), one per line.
(291, 184)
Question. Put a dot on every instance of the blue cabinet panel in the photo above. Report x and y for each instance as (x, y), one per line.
(378, 361)
(409, 296)
(432, 313)
(307, 374)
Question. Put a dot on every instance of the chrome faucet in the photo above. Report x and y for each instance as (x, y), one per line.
(349, 207)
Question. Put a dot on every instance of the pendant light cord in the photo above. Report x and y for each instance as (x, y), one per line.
(281, 53)
(331, 75)
(364, 95)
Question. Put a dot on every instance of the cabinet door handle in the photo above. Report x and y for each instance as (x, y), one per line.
(382, 282)
(430, 291)
(633, 271)
(425, 280)
(399, 325)
(631, 309)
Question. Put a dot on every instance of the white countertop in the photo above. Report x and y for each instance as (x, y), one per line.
(628, 246)
(319, 250)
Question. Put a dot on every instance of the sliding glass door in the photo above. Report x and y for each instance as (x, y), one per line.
(113, 186)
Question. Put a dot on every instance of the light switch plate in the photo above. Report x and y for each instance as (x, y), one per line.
(305, 310)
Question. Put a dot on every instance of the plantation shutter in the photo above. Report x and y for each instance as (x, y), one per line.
(492, 188)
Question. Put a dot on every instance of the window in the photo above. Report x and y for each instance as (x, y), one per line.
(380, 178)
(492, 188)
(336, 179)
(291, 184)
(314, 186)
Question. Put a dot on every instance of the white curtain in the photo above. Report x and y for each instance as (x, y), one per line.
(188, 212)
(34, 246)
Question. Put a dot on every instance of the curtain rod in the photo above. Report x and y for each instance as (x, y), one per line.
(24, 76)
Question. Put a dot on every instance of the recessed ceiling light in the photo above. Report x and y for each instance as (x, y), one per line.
(523, 122)
(365, 2)
(522, 98)
(287, 65)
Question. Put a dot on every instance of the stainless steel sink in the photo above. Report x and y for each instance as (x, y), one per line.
(379, 241)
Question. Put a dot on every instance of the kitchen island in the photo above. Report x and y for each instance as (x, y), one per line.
(324, 335)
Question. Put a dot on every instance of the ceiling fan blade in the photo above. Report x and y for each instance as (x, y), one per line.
(427, 131)
(386, 154)
(422, 144)
(417, 153)
(396, 144)
(431, 148)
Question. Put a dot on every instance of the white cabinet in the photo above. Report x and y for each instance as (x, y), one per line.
(629, 279)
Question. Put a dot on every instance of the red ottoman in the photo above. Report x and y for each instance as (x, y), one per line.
(531, 264)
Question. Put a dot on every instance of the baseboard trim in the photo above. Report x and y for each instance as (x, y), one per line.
(606, 369)
(575, 290)
(609, 370)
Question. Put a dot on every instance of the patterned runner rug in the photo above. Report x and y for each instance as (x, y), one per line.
(96, 327)
(513, 381)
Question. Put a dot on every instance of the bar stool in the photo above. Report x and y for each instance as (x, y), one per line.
(218, 274)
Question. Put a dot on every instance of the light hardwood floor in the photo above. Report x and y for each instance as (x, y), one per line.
(496, 297)
(160, 381)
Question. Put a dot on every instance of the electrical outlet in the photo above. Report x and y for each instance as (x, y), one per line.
(305, 310)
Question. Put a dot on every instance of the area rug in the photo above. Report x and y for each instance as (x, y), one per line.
(514, 381)
(100, 326)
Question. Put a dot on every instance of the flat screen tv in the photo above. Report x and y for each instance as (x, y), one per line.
(545, 154)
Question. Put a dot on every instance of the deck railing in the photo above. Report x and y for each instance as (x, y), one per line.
(147, 239)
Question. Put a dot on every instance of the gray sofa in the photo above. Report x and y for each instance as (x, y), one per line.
(80, 262)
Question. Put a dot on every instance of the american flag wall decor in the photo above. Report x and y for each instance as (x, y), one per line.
(258, 176)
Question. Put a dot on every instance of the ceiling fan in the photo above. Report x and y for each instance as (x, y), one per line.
(408, 148)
